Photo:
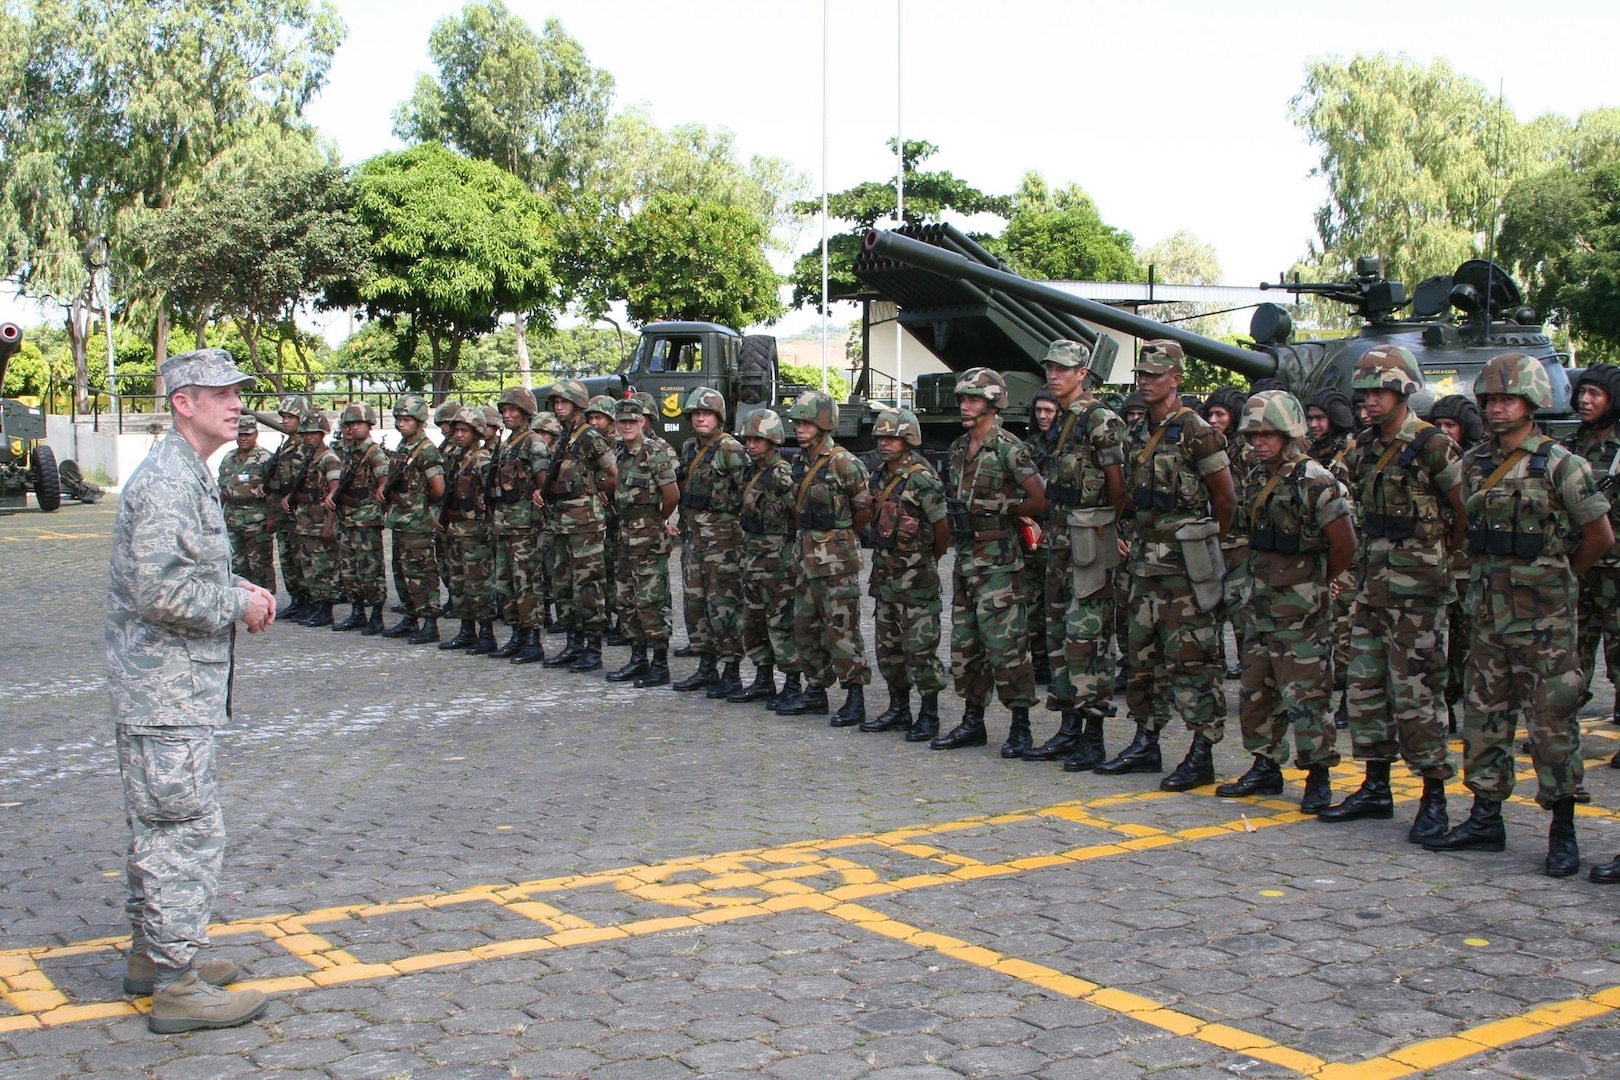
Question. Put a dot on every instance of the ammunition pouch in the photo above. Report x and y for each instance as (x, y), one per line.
(1206, 566)
(1389, 526)
(960, 520)
(1150, 498)
(752, 521)
(1093, 548)
(1062, 496)
(821, 520)
(350, 501)
(1522, 545)
(1269, 539)
(571, 488)
(508, 496)
(697, 500)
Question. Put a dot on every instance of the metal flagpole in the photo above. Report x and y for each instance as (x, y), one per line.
(899, 189)
(825, 314)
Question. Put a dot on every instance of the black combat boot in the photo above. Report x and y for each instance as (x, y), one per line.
(1065, 742)
(896, 716)
(682, 652)
(730, 682)
(811, 701)
(635, 669)
(555, 624)
(853, 710)
(570, 651)
(1371, 800)
(1195, 770)
(1263, 778)
(1483, 830)
(1142, 755)
(1043, 669)
(513, 646)
(927, 725)
(404, 628)
(320, 614)
(1089, 751)
(761, 689)
(1019, 741)
(400, 609)
(427, 633)
(534, 648)
(792, 687)
(614, 636)
(1563, 856)
(657, 669)
(1606, 873)
(447, 610)
(1431, 820)
(374, 625)
(292, 609)
(970, 732)
(1318, 795)
(590, 655)
(1341, 717)
(705, 676)
(464, 637)
(356, 619)
(485, 643)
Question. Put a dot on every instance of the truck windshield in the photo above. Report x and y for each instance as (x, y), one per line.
(663, 354)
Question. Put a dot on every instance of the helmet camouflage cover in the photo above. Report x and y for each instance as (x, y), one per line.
(473, 418)
(1388, 367)
(358, 412)
(1518, 375)
(315, 422)
(816, 408)
(899, 424)
(446, 413)
(649, 404)
(763, 424)
(294, 405)
(1274, 412)
(708, 399)
(519, 398)
(570, 390)
(985, 383)
(547, 422)
(492, 417)
(603, 404)
(413, 406)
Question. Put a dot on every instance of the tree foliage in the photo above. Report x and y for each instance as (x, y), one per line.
(1059, 235)
(689, 257)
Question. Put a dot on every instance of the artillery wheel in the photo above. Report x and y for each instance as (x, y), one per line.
(757, 353)
(47, 481)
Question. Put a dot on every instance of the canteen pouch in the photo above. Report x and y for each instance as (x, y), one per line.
(1093, 548)
(1206, 567)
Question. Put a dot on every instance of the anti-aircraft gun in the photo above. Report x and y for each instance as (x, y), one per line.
(26, 463)
(1457, 323)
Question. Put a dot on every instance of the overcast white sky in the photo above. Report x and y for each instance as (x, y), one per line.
(1172, 115)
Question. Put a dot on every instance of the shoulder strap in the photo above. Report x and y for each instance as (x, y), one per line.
(1271, 485)
(1073, 420)
(1153, 443)
(1502, 470)
(1425, 432)
(809, 477)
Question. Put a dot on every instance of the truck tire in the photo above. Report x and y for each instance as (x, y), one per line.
(756, 364)
(47, 481)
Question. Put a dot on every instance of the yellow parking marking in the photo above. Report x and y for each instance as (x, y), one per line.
(808, 876)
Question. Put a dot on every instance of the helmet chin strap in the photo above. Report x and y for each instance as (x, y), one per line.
(1508, 427)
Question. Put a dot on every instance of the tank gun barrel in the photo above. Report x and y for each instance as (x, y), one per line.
(903, 249)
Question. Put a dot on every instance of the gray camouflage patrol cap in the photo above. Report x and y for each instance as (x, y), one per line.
(204, 367)
(1068, 354)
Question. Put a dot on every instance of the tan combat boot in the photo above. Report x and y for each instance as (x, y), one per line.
(140, 971)
(189, 1004)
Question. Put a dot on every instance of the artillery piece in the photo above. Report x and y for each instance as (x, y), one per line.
(26, 463)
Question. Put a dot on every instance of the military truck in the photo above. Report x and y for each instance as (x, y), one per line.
(26, 463)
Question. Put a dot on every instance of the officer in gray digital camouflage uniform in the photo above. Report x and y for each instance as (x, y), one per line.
(171, 612)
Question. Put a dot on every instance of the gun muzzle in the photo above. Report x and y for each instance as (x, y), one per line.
(10, 340)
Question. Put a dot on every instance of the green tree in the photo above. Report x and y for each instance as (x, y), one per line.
(687, 257)
(1060, 236)
(929, 196)
(454, 242)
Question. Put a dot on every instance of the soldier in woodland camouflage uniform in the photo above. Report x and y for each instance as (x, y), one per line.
(172, 606)
(992, 483)
(1597, 397)
(831, 503)
(711, 471)
(242, 475)
(909, 536)
(1130, 411)
(1458, 417)
(1223, 408)
(1043, 410)
(767, 523)
(357, 502)
(600, 415)
(582, 478)
(644, 498)
(1330, 424)
(1086, 487)
(444, 418)
(414, 488)
(283, 469)
(519, 468)
(1181, 492)
(550, 431)
(464, 521)
(1408, 493)
(1527, 497)
(1300, 540)
(319, 470)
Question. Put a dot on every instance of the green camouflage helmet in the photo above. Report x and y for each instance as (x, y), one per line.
(649, 404)
(473, 418)
(816, 408)
(547, 422)
(492, 417)
(708, 399)
(413, 406)
(985, 383)
(293, 405)
(358, 412)
(1516, 374)
(519, 398)
(763, 424)
(446, 413)
(315, 422)
(570, 390)
(603, 404)
(1274, 412)
(1388, 367)
(900, 424)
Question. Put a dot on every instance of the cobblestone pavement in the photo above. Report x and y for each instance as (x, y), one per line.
(449, 867)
